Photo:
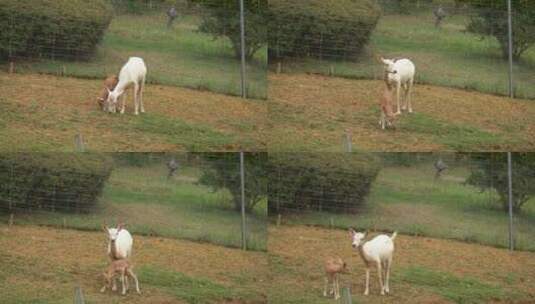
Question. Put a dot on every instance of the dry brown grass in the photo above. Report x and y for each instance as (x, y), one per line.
(67, 257)
(311, 112)
(45, 112)
(300, 250)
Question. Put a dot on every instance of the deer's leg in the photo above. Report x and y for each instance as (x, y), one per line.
(337, 288)
(389, 264)
(325, 286)
(409, 92)
(114, 284)
(141, 88)
(123, 284)
(136, 100)
(134, 277)
(379, 274)
(398, 88)
(367, 290)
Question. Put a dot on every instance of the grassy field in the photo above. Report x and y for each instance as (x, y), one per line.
(425, 270)
(43, 265)
(445, 56)
(48, 113)
(313, 113)
(180, 56)
(151, 205)
(408, 199)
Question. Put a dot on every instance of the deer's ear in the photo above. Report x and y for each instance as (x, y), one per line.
(109, 92)
(105, 228)
(351, 232)
(379, 58)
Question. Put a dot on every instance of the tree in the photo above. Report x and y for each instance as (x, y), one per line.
(491, 19)
(491, 172)
(223, 20)
(224, 172)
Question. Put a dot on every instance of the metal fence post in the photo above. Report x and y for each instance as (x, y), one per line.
(510, 186)
(243, 227)
(243, 63)
(78, 295)
(510, 34)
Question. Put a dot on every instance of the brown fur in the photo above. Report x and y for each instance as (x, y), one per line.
(110, 83)
(121, 268)
(333, 267)
(386, 104)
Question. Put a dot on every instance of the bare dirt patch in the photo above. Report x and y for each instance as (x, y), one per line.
(300, 250)
(313, 112)
(41, 109)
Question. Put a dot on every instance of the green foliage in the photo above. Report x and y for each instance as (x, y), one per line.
(491, 19)
(223, 20)
(491, 172)
(225, 173)
(139, 7)
(52, 181)
(52, 28)
(320, 28)
(338, 182)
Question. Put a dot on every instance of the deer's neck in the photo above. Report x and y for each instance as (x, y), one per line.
(113, 250)
(363, 255)
(121, 86)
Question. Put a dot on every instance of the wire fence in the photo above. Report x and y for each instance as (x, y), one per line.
(459, 196)
(182, 43)
(451, 44)
(176, 195)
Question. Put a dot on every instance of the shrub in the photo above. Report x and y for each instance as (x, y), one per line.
(490, 18)
(223, 20)
(224, 172)
(491, 172)
(52, 181)
(52, 28)
(336, 182)
(320, 28)
(139, 7)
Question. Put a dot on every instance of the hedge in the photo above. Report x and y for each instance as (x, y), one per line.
(52, 28)
(69, 182)
(320, 28)
(335, 182)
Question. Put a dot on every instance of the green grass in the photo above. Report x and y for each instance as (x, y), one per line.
(194, 137)
(444, 208)
(192, 290)
(152, 205)
(454, 136)
(462, 290)
(446, 56)
(180, 56)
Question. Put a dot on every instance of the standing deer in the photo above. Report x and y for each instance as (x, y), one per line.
(400, 73)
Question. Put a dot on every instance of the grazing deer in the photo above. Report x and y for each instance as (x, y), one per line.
(133, 73)
(109, 84)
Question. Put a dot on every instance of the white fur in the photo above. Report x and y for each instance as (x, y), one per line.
(134, 73)
(400, 73)
(123, 243)
(379, 251)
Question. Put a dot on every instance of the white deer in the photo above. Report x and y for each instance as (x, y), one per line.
(400, 72)
(119, 244)
(379, 251)
(134, 73)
